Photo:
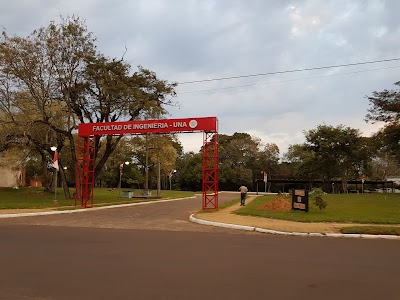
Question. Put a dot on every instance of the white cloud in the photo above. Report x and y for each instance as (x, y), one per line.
(192, 40)
(191, 141)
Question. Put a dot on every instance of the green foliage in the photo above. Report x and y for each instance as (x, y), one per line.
(387, 142)
(330, 153)
(236, 155)
(242, 158)
(386, 157)
(303, 161)
(189, 173)
(161, 149)
(316, 195)
(385, 107)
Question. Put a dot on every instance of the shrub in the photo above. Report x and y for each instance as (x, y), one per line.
(316, 194)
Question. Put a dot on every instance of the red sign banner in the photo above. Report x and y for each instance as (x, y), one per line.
(207, 124)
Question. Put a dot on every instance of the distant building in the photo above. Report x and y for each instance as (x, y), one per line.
(395, 179)
(36, 183)
(11, 178)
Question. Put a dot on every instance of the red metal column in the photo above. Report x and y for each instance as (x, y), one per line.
(210, 170)
(85, 171)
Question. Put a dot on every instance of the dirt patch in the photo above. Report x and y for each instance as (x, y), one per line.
(279, 204)
(23, 210)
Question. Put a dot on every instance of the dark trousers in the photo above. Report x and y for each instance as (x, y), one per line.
(242, 198)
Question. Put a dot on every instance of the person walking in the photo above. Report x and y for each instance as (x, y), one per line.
(243, 191)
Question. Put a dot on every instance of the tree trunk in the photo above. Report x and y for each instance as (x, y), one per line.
(48, 180)
(344, 182)
(109, 148)
(64, 183)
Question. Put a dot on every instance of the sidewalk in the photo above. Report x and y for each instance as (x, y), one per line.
(227, 218)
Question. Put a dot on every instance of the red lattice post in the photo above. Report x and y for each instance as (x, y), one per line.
(85, 171)
(86, 154)
(210, 170)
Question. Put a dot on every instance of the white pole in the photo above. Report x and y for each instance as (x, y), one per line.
(158, 176)
(265, 182)
(55, 188)
(120, 184)
(265, 187)
(55, 160)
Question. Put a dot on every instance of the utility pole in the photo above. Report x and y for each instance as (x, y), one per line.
(146, 184)
(159, 174)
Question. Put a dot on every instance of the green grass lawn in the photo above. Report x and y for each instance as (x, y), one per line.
(371, 230)
(36, 198)
(375, 208)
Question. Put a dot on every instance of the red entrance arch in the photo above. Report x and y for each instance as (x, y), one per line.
(86, 152)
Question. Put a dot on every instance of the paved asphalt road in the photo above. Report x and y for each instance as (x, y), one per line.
(154, 252)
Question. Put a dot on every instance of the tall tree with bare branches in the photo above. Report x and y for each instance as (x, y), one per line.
(55, 79)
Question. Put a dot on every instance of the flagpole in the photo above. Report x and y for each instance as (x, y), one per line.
(121, 170)
(55, 165)
(55, 188)
(265, 182)
(170, 178)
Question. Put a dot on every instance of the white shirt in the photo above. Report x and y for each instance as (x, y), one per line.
(243, 189)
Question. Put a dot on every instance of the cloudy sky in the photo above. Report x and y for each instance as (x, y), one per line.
(189, 40)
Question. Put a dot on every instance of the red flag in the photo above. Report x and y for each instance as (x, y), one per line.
(171, 173)
(55, 161)
(121, 168)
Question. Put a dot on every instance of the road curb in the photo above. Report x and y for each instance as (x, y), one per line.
(193, 219)
(218, 224)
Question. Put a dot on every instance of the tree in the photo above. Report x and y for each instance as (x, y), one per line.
(385, 149)
(57, 72)
(189, 174)
(37, 74)
(340, 148)
(19, 130)
(237, 155)
(242, 158)
(331, 152)
(161, 149)
(268, 159)
(387, 140)
(303, 161)
(316, 195)
(119, 96)
(110, 173)
(385, 107)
